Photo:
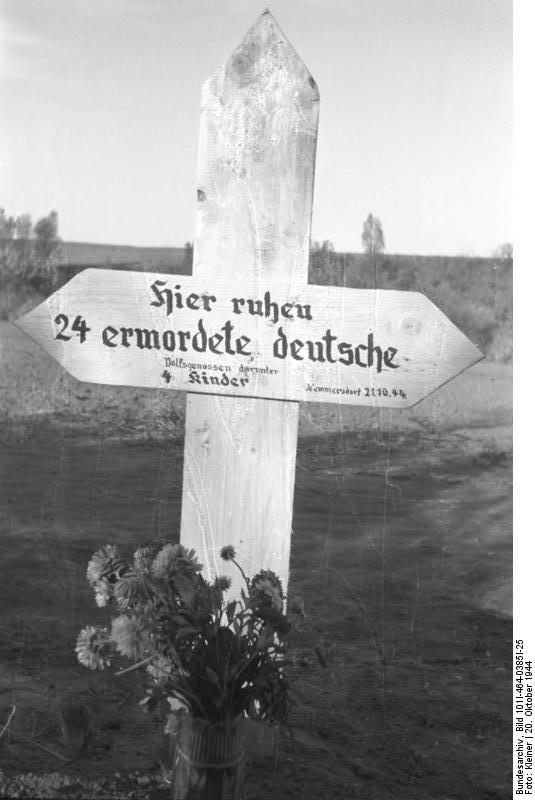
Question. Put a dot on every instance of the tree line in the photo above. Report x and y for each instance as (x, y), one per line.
(43, 235)
(29, 252)
(323, 261)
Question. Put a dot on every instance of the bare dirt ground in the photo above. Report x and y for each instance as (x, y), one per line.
(401, 553)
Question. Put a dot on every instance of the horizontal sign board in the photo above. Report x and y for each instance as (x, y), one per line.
(320, 344)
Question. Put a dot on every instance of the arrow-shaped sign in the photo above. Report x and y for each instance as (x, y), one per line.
(322, 344)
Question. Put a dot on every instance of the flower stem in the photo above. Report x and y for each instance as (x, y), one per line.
(245, 578)
(135, 666)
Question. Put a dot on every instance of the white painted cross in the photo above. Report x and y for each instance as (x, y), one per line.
(246, 335)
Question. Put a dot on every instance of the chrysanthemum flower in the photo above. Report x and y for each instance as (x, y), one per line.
(89, 646)
(130, 591)
(267, 575)
(100, 561)
(172, 559)
(130, 636)
(267, 585)
(228, 553)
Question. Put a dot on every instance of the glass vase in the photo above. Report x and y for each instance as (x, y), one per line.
(208, 760)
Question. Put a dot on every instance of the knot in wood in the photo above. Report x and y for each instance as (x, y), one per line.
(243, 64)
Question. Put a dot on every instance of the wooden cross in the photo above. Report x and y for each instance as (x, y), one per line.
(257, 149)
(246, 336)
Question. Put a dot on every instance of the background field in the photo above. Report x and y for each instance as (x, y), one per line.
(401, 553)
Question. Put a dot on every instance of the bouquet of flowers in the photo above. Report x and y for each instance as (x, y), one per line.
(209, 657)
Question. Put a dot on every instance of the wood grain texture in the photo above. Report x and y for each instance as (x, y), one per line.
(255, 183)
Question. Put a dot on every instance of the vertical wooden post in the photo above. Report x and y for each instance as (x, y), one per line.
(257, 150)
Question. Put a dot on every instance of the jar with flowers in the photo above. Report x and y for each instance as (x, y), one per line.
(214, 662)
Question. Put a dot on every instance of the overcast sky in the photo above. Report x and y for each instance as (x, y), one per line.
(100, 109)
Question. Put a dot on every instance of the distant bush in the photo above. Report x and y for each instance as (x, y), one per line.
(24, 273)
(29, 259)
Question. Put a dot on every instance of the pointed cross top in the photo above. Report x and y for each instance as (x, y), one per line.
(265, 41)
(265, 34)
(257, 150)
